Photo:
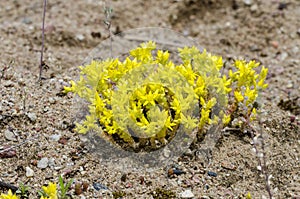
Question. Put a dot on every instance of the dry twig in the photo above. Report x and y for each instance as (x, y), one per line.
(43, 42)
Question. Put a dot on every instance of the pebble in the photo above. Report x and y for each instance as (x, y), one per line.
(9, 135)
(29, 172)
(283, 56)
(46, 109)
(52, 100)
(275, 44)
(43, 163)
(174, 171)
(290, 85)
(298, 31)
(166, 152)
(254, 8)
(80, 37)
(51, 162)
(295, 49)
(55, 137)
(211, 173)
(292, 118)
(57, 168)
(26, 20)
(282, 6)
(228, 165)
(7, 154)
(254, 48)
(31, 116)
(204, 197)
(99, 186)
(8, 83)
(186, 33)
(187, 194)
(248, 2)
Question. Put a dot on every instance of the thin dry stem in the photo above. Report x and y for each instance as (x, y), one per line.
(43, 41)
(262, 161)
(107, 22)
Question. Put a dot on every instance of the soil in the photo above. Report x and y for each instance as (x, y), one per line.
(31, 115)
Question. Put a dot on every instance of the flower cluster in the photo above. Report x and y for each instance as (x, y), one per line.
(49, 192)
(246, 84)
(9, 195)
(156, 108)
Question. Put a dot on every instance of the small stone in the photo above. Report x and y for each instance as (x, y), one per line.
(85, 186)
(8, 83)
(80, 37)
(27, 20)
(289, 85)
(176, 172)
(275, 44)
(57, 168)
(55, 137)
(142, 180)
(128, 185)
(7, 153)
(31, 116)
(282, 6)
(43, 163)
(188, 152)
(204, 197)
(52, 100)
(248, 2)
(254, 48)
(63, 140)
(254, 8)
(99, 186)
(283, 56)
(292, 118)
(298, 31)
(295, 49)
(187, 194)
(213, 174)
(51, 162)
(228, 165)
(29, 172)
(46, 109)
(124, 177)
(186, 33)
(166, 152)
(9, 135)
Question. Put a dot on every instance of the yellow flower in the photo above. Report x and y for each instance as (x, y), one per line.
(251, 95)
(9, 195)
(226, 119)
(238, 96)
(162, 57)
(169, 124)
(50, 190)
(253, 114)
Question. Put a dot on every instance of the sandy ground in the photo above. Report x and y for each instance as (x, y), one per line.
(31, 116)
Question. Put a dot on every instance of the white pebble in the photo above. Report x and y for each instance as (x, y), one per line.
(55, 137)
(32, 116)
(43, 163)
(187, 194)
(10, 135)
(29, 172)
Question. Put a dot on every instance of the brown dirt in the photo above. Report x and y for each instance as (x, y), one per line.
(268, 31)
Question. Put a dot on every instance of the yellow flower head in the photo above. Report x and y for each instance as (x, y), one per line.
(50, 190)
(9, 195)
